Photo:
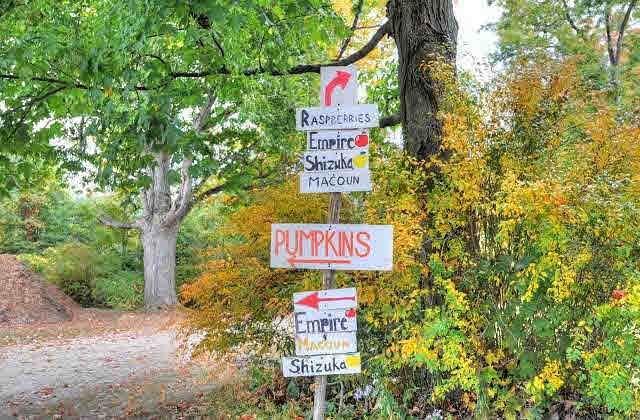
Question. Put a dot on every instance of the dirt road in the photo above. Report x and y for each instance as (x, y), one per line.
(139, 373)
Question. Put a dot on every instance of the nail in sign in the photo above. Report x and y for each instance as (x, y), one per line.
(332, 247)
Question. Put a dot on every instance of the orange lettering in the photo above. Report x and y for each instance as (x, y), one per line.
(280, 238)
(363, 239)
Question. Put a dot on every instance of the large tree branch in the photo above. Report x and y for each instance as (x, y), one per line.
(181, 206)
(354, 25)
(107, 221)
(299, 69)
(390, 120)
(623, 27)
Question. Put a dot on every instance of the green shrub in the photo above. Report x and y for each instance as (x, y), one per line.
(72, 267)
(123, 290)
(35, 262)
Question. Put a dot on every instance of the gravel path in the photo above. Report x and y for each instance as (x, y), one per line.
(96, 377)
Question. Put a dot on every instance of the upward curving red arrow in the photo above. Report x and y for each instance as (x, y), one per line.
(314, 299)
(341, 79)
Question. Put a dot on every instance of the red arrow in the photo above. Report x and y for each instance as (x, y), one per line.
(296, 260)
(313, 300)
(341, 79)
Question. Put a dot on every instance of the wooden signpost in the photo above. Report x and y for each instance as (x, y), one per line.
(336, 161)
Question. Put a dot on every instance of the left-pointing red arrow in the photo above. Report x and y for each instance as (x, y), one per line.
(296, 260)
(313, 300)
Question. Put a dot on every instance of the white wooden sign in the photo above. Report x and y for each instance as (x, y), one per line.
(335, 160)
(329, 343)
(338, 140)
(335, 181)
(325, 300)
(332, 247)
(338, 85)
(337, 118)
(327, 321)
(336, 364)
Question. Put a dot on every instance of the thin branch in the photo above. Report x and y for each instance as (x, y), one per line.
(607, 23)
(107, 221)
(623, 27)
(356, 17)
(390, 120)
(44, 79)
(572, 22)
(301, 68)
(211, 192)
(201, 119)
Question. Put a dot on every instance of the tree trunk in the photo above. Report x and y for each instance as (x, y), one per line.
(159, 245)
(425, 33)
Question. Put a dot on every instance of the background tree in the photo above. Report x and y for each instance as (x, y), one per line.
(601, 33)
(86, 64)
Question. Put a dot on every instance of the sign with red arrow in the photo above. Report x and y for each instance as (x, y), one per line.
(338, 86)
(325, 300)
(332, 247)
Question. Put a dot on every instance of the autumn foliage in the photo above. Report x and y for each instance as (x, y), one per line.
(516, 289)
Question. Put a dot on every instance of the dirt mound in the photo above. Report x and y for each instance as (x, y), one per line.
(25, 298)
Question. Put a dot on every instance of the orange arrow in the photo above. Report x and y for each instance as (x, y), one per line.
(296, 260)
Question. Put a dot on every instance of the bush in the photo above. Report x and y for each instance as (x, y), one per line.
(516, 283)
(89, 277)
(123, 290)
(72, 267)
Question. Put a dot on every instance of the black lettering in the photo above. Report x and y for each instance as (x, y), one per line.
(298, 322)
(324, 323)
(305, 118)
(294, 365)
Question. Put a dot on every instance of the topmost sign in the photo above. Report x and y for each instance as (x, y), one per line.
(338, 86)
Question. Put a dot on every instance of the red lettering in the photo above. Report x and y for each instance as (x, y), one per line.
(304, 235)
(293, 252)
(363, 238)
(346, 243)
(316, 242)
(280, 238)
(329, 244)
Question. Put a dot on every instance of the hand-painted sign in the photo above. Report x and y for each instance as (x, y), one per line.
(325, 300)
(335, 181)
(328, 343)
(337, 118)
(338, 86)
(338, 140)
(336, 364)
(329, 321)
(332, 247)
(338, 160)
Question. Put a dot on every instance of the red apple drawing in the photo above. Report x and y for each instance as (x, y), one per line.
(362, 140)
(351, 313)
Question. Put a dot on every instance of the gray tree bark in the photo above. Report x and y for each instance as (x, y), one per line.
(158, 228)
(425, 32)
(160, 222)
